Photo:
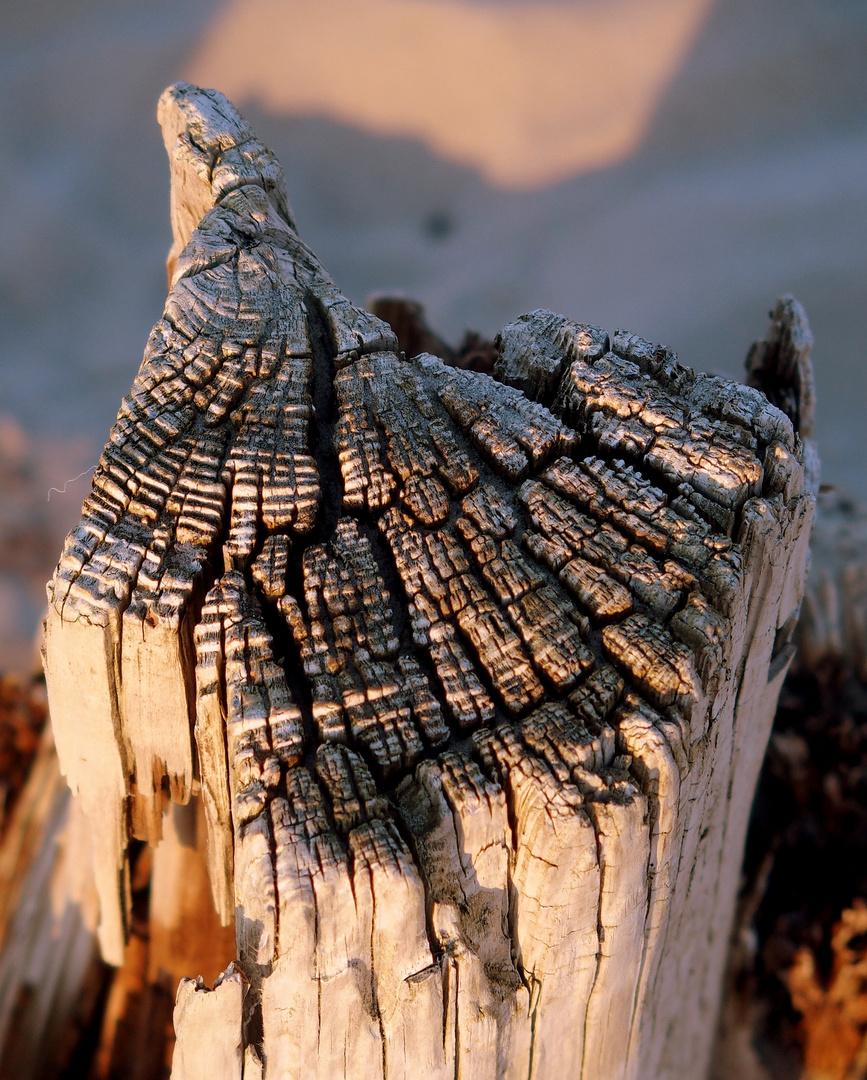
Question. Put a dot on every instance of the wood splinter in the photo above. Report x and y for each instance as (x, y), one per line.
(473, 675)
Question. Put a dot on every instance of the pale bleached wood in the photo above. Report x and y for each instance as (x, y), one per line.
(557, 882)
(49, 956)
(484, 667)
(209, 1026)
(84, 722)
(156, 661)
(620, 823)
(460, 831)
(54, 991)
(324, 966)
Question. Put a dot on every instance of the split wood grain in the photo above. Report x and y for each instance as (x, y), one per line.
(474, 674)
(49, 958)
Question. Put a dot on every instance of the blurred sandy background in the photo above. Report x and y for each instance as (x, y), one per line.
(669, 166)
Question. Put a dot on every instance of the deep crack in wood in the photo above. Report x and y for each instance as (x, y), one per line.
(473, 674)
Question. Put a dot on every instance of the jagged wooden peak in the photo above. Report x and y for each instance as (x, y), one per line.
(457, 663)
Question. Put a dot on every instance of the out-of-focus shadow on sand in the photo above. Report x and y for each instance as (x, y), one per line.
(526, 93)
(670, 166)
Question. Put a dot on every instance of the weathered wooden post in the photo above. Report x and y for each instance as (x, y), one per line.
(472, 675)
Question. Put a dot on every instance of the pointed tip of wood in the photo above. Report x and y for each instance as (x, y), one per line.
(213, 150)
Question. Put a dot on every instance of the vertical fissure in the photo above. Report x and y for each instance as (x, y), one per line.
(322, 442)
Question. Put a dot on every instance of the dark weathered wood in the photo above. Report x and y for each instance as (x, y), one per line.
(474, 676)
(832, 634)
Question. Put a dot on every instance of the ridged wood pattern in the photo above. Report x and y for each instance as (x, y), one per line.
(473, 674)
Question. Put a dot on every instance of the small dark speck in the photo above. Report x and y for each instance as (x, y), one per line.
(704, 834)
(438, 225)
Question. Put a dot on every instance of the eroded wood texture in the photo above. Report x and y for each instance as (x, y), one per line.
(474, 674)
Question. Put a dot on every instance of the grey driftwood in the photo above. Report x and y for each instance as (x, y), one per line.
(473, 675)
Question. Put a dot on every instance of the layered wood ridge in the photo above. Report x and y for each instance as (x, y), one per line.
(474, 674)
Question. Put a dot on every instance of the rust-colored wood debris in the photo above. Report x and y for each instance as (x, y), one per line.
(22, 718)
(472, 674)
